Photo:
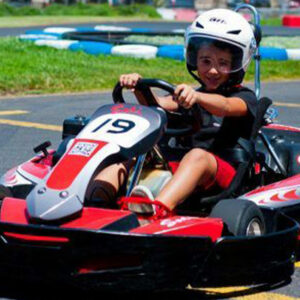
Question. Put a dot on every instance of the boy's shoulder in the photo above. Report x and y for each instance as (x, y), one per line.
(244, 93)
(241, 88)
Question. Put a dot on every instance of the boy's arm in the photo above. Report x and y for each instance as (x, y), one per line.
(130, 80)
(165, 102)
(216, 104)
(221, 106)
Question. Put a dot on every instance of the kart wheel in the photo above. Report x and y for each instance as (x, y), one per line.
(241, 217)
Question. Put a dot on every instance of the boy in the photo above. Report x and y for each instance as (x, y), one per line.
(219, 47)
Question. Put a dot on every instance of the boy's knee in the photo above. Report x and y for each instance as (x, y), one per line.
(101, 190)
(197, 155)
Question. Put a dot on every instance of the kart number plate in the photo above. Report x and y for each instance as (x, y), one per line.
(121, 129)
(83, 149)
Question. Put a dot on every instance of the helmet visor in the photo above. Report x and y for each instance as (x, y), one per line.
(204, 53)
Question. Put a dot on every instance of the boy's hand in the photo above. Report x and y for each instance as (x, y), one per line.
(129, 81)
(185, 96)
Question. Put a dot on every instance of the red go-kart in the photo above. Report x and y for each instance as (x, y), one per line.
(246, 234)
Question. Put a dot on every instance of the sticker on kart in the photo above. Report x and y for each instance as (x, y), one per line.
(121, 129)
(83, 149)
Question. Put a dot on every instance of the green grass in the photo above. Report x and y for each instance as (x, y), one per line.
(26, 68)
(21, 21)
(80, 9)
(271, 22)
(291, 42)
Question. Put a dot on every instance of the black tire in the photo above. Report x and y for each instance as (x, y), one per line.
(241, 217)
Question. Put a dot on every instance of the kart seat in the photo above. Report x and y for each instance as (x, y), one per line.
(244, 158)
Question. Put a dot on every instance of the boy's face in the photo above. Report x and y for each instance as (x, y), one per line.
(213, 66)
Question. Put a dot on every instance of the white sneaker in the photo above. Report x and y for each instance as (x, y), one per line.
(143, 192)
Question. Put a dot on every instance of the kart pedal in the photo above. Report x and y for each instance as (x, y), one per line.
(42, 147)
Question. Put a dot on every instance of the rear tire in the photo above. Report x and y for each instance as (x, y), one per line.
(241, 217)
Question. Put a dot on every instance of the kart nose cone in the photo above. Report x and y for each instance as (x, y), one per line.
(50, 205)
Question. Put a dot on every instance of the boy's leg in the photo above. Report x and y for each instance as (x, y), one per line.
(108, 182)
(198, 167)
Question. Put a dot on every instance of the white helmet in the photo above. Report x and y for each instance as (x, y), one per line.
(225, 29)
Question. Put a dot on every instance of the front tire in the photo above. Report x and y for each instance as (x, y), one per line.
(241, 217)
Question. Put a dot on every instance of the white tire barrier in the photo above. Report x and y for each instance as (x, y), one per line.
(138, 51)
(59, 30)
(58, 44)
(293, 54)
(111, 28)
(34, 37)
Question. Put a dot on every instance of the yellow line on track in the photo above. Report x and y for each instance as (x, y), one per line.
(266, 296)
(297, 264)
(12, 112)
(31, 125)
(235, 292)
(297, 105)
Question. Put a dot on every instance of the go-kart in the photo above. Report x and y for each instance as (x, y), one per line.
(246, 234)
(49, 228)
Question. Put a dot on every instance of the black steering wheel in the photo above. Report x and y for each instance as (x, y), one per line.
(180, 123)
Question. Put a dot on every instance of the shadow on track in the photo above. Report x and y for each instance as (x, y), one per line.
(20, 290)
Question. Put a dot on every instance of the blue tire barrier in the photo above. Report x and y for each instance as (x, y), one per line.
(273, 53)
(141, 30)
(171, 51)
(86, 29)
(94, 48)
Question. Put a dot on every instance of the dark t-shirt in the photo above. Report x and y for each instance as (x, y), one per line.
(218, 134)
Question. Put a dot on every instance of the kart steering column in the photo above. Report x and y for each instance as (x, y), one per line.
(136, 173)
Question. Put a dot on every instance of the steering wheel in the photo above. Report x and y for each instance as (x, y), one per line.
(180, 123)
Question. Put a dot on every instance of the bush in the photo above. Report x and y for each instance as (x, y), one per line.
(6, 10)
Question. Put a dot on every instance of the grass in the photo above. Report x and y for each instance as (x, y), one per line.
(271, 22)
(24, 21)
(291, 42)
(26, 68)
(80, 9)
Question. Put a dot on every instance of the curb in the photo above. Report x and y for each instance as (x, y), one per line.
(53, 37)
(291, 21)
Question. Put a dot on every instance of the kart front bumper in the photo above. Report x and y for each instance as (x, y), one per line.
(126, 261)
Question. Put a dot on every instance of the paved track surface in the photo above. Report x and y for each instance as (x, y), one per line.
(156, 25)
(25, 122)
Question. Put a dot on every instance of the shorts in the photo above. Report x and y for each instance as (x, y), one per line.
(224, 175)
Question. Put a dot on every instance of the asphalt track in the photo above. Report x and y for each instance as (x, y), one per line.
(27, 121)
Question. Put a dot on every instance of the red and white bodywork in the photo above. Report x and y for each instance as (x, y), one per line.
(277, 195)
